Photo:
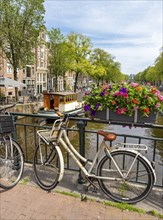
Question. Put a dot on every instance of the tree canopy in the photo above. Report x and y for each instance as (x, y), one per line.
(79, 47)
(58, 52)
(20, 24)
(153, 74)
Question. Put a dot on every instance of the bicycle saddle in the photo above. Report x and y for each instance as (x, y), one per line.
(107, 135)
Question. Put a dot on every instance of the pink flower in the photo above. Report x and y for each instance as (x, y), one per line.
(157, 105)
(124, 110)
(119, 111)
(160, 97)
(125, 95)
(134, 84)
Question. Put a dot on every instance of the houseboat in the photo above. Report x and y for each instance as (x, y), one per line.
(65, 102)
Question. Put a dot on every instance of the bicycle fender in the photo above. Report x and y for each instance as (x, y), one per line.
(62, 163)
(143, 157)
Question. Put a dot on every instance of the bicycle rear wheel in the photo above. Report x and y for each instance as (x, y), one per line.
(137, 182)
(47, 166)
(11, 164)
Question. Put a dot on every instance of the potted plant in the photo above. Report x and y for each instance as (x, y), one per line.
(125, 102)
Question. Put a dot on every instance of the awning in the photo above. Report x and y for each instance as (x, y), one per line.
(7, 82)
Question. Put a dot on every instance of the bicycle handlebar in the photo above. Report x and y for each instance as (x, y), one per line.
(3, 109)
(65, 115)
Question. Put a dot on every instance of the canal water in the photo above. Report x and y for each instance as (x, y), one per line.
(91, 140)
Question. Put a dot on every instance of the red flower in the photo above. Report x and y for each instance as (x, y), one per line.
(146, 110)
(135, 101)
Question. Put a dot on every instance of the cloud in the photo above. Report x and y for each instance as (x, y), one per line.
(128, 29)
(134, 61)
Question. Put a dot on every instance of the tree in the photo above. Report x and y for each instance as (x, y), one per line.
(58, 58)
(79, 48)
(20, 24)
(159, 66)
(153, 73)
(105, 68)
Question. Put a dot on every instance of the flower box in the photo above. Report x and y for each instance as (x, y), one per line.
(107, 114)
(124, 102)
(110, 115)
(150, 119)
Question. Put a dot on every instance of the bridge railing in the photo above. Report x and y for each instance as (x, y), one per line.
(87, 140)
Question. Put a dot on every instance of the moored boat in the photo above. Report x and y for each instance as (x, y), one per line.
(65, 102)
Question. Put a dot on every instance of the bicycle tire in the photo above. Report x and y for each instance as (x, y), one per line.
(47, 174)
(133, 188)
(11, 167)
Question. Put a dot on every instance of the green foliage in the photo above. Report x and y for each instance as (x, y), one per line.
(105, 68)
(152, 74)
(79, 47)
(155, 213)
(20, 24)
(58, 50)
(124, 206)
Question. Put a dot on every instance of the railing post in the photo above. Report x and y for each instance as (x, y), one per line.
(14, 134)
(81, 126)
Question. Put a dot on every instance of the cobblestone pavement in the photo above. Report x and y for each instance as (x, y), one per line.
(28, 201)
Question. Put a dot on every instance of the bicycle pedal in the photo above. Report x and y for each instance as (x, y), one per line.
(92, 188)
(83, 197)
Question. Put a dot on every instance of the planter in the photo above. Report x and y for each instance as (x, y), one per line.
(151, 119)
(110, 115)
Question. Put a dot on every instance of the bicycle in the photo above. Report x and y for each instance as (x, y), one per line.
(11, 154)
(123, 174)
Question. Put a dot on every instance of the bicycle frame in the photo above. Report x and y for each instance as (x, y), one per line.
(63, 139)
(65, 142)
(6, 146)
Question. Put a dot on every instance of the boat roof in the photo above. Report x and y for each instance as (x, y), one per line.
(60, 93)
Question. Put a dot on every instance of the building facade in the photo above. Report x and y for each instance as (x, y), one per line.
(34, 76)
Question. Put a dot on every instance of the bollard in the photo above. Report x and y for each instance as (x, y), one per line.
(81, 126)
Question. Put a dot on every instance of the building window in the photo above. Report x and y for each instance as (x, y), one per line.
(9, 68)
(33, 70)
(28, 71)
(42, 64)
(42, 55)
(44, 77)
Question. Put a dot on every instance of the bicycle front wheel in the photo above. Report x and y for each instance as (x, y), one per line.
(11, 164)
(137, 180)
(47, 166)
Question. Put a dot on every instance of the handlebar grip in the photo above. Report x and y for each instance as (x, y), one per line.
(59, 114)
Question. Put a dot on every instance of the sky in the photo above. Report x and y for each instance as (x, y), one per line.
(129, 30)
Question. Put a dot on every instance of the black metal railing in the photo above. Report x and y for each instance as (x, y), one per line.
(26, 135)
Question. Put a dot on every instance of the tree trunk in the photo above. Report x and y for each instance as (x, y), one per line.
(76, 80)
(16, 89)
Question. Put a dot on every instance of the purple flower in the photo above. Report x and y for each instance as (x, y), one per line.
(102, 93)
(98, 105)
(93, 112)
(87, 107)
(123, 90)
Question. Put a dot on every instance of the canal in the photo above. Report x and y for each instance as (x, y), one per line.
(27, 136)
